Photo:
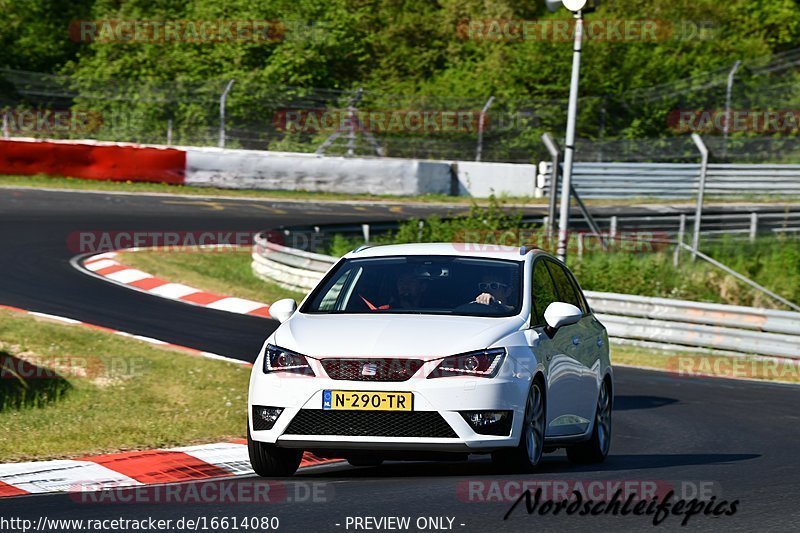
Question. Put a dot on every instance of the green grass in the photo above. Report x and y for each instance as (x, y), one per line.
(685, 363)
(773, 262)
(224, 272)
(44, 181)
(109, 393)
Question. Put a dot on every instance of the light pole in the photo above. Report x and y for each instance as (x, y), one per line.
(576, 6)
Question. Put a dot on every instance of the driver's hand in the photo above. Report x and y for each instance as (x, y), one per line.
(485, 299)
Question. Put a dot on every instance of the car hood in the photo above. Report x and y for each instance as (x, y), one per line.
(420, 336)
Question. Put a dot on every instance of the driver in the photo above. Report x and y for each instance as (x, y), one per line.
(410, 290)
(494, 291)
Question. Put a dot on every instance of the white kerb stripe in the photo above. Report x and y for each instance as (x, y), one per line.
(227, 455)
(129, 275)
(55, 317)
(235, 305)
(94, 266)
(61, 476)
(173, 290)
(98, 257)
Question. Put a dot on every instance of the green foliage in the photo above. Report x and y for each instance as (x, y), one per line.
(774, 262)
(771, 262)
(389, 47)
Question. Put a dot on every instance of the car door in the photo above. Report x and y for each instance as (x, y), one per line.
(562, 373)
(583, 338)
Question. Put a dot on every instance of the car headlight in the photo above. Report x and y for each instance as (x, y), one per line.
(279, 360)
(482, 363)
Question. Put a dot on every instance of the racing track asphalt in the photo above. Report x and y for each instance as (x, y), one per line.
(739, 437)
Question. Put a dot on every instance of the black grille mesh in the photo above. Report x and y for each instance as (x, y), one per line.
(370, 424)
(384, 369)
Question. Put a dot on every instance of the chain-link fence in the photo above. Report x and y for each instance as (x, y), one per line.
(747, 114)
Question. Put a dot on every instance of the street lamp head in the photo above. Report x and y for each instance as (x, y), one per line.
(572, 5)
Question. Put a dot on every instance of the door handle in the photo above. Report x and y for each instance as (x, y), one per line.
(599, 342)
(576, 341)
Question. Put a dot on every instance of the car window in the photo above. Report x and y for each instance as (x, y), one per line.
(564, 288)
(543, 292)
(582, 297)
(420, 285)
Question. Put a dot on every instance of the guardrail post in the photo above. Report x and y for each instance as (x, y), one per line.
(365, 232)
(701, 189)
(753, 226)
(5, 126)
(169, 132)
(681, 231)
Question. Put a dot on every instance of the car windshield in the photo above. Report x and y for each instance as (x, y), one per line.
(441, 285)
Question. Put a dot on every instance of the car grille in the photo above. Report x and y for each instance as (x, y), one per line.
(378, 370)
(370, 424)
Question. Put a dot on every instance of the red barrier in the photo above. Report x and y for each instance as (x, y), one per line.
(93, 161)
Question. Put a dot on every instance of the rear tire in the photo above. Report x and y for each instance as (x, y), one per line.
(527, 455)
(268, 460)
(596, 448)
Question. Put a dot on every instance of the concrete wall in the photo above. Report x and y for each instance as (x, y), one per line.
(482, 179)
(250, 169)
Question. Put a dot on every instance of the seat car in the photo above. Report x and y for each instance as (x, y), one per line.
(433, 351)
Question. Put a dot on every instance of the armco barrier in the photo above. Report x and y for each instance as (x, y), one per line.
(659, 321)
(676, 180)
(255, 169)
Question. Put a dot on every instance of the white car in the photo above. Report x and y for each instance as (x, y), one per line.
(427, 351)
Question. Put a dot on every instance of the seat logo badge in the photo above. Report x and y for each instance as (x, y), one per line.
(369, 369)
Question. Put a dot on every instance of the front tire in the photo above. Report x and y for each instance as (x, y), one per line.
(527, 455)
(364, 460)
(596, 448)
(268, 460)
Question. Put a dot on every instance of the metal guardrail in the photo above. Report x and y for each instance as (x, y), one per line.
(656, 321)
(674, 180)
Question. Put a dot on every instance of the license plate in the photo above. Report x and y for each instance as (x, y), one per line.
(367, 401)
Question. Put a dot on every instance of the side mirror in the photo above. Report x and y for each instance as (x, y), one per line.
(560, 314)
(283, 309)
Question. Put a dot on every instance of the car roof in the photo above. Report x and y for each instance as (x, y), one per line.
(489, 251)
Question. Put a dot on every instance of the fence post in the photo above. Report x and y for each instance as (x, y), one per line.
(481, 121)
(681, 231)
(6, 133)
(728, 94)
(701, 189)
(365, 232)
(612, 231)
(753, 226)
(222, 101)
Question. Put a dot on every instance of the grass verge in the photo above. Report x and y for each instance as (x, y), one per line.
(69, 391)
(44, 181)
(695, 364)
(224, 272)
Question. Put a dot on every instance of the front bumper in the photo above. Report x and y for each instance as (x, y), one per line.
(445, 396)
